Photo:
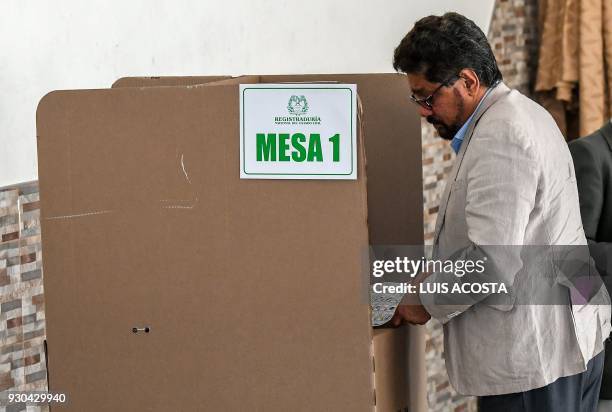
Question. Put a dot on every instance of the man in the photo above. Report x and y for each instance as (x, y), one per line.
(593, 162)
(512, 184)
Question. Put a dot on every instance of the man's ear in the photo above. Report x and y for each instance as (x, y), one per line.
(470, 80)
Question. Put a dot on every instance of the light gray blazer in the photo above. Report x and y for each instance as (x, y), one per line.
(512, 183)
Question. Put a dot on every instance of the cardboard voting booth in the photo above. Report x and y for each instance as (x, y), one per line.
(173, 284)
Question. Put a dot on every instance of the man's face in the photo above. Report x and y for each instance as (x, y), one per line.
(447, 113)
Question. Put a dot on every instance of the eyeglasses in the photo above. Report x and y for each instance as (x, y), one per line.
(427, 102)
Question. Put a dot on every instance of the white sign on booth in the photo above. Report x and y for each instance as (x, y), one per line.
(298, 131)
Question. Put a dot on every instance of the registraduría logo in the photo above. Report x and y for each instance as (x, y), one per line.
(297, 108)
(298, 105)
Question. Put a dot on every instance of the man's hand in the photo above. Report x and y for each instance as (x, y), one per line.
(414, 314)
(410, 308)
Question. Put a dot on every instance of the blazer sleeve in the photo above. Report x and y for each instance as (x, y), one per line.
(502, 181)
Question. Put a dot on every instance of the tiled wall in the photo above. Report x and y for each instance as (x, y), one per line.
(22, 316)
(513, 37)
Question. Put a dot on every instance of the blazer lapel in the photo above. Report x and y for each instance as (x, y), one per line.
(606, 131)
(498, 92)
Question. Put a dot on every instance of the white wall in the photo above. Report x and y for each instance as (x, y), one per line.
(69, 44)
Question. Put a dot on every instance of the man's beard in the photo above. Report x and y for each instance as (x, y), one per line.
(445, 131)
(448, 131)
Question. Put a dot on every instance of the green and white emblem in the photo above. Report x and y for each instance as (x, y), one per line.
(298, 105)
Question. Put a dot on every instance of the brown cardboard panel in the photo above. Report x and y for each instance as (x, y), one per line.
(392, 132)
(390, 372)
(166, 81)
(250, 288)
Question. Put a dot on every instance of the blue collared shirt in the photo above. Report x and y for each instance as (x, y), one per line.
(460, 135)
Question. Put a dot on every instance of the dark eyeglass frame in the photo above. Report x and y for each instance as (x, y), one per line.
(427, 102)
